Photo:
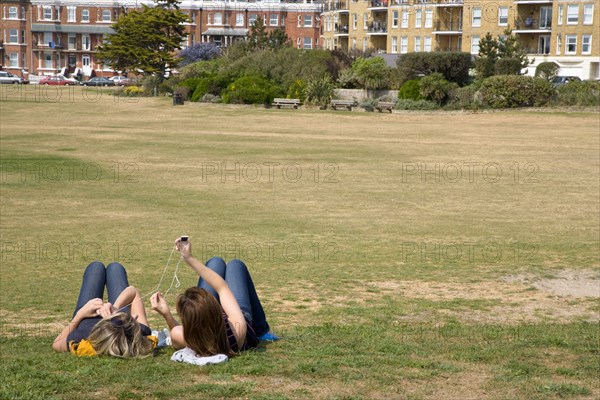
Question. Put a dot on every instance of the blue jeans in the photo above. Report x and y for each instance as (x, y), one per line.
(238, 278)
(95, 277)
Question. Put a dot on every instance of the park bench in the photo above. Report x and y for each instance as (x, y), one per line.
(286, 103)
(348, 104)
(384, 105)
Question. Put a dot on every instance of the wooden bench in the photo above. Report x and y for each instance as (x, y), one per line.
(286, 103)
(348, 104)
(384, 105)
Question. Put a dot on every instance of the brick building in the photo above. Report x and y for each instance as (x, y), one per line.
(47, 36)
(563, 31)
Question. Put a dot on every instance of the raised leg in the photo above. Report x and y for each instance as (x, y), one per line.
(92, 285)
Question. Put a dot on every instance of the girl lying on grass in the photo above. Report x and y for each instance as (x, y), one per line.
(118, 328)
(223, 315)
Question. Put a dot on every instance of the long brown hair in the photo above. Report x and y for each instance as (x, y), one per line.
(203, 324)
(120, 336)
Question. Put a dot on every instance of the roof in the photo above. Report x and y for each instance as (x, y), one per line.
(226, 31)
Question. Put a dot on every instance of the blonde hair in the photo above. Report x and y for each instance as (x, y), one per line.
(203, 324)
(120, 336)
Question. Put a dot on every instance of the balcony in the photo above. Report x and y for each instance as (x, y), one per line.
(341, 30)
(448, 28)
(378, 5)
(446, 3)
(532, 25)
(533, 1)
(377, 28)
(341, 6)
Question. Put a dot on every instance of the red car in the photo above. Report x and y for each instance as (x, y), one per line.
(58, 80)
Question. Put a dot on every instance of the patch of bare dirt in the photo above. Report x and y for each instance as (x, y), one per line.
(565, 283)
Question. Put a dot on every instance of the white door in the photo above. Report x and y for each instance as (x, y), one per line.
(86, 65)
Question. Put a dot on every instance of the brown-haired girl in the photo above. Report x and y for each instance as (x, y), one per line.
(223, 315)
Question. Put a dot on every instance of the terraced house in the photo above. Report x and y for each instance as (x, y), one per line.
(48, 36)
(563, 31)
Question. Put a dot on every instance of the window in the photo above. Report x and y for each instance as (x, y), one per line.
(394, 45)
(48, 38)
(365, 21)
(273, 19)
(558, 44)
(427, 43)
(218, 18)
(85, 15)
(307, 43)
(502, 16)
(417, 43)
(48, 61)
(404, 19)
(252, 19)
(560, 14)
(355, 21)
(71, 13)
(404, 44)
(418, 18)
(572, 14)
(12, 13)
(48, 13)
(353, 43)
(308, 20)
(23, 38)
(239, 19)
(475, 45)
(72, 41)
(428, 18)
(570, 44)
(13, 36)
(364, 44)
(588, 14)
(106, 15)
(476, 17)
(14, 60)
(86, 42)
(586, 44)
(395, 19)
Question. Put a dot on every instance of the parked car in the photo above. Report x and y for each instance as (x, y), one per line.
(562, 80)
(60, 80)
(7, 77)
(119, 80)
(98, 81)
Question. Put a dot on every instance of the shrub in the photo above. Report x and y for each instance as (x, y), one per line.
(198, 52)
(132, 91)
(191, 83)
(509, 91)
(151, 85)
(435, 88)
(369, 104)
(347, 80)
(547, 70)
(464, 98)
(209, 98)
(319, 91)
(410, 90)
(250, 89)
(454, 66)
(408, 104)
(508, 66)
(296, 90)
(579, 93)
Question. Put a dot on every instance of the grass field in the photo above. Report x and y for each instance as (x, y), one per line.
(402, 256)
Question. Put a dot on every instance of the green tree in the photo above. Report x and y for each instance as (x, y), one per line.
(371, 73)
(145, 40)
(492, 50)
(278, 38)
(258, 39)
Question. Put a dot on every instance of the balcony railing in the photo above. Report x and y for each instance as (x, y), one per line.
(378, 4)
(337, 6)
(523, 24)
(448, 26)
(341, 29)
(377, 27)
